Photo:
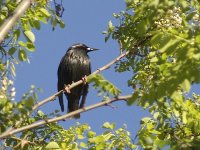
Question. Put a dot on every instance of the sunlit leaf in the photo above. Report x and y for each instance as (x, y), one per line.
(184, 117)
(45, 12)
(30, 36)
(40, 113)
(52, 145)
(105, 86)
(186, 85)
(83, 145)
(110, 26)
(107, 125)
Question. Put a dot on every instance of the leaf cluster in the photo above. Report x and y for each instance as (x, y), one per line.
(21, 39)
(160, 56)
(162, 39)
(174, 123)
(12, 111)
(82, 137)
(104, 86)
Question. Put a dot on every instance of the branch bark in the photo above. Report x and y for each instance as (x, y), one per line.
(52, 97)
(64, 117)
(11, 20)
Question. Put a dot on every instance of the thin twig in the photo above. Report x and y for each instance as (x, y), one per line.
(12, 130)
(52, 97)
(79, 82)
(64, 117)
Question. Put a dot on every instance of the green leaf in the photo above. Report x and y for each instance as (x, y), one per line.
(21, 43)
(30, 47)
(22, 55)
(29, 34)
(1, 67)
(197, 39)
(133, 98)
(108, 125)
(52, 145)
(80, 136)
(40, 113)
(42, 19)
(184, 117)
(110, 26)
(29, 102)
(36, 24)
(156, 114)
(91, 134)
(62, 24)
(104, 85)
(12, 50)
(154, 60)
(142, 27)
(186, 85)
(83, 145)
(145, 120)
(3, 101)
(99, 139)
(17, 33)
(155, 132)
(45, 12)
(168, 44)
(12, 67)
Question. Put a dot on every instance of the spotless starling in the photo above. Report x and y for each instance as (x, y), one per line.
(74, 66)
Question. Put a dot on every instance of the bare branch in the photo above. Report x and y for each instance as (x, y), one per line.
(53, 97)
(64, 117)
(12, 130)
(11, 20)
(79, 82)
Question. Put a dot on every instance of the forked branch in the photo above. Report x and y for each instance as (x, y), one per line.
(64, 117)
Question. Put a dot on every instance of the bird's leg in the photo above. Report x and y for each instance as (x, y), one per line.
(66, 87)
(82, 105)
(84, 96)
(84, 79)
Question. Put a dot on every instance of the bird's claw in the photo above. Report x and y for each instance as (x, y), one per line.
(66, 87)
(84, 79)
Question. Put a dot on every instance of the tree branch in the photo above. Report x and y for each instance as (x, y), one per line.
(64, 117)
(11, 20)
(107, 66)
(52, 97)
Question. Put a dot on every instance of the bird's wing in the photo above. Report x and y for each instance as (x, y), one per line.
(62, 80)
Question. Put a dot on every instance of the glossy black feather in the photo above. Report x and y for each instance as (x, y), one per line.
(74, 65)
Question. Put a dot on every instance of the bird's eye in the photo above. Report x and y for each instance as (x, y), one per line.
(89, 49)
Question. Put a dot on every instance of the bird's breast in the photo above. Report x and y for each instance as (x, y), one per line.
(79, 66)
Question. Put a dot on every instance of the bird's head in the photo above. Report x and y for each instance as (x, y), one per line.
(83, 47)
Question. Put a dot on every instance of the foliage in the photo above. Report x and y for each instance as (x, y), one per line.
(79, 136)
(163, 43)
(21, 38)
(162, 38)
(103, 85)
(12, 111)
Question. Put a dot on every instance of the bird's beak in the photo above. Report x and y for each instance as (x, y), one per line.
(89, 49)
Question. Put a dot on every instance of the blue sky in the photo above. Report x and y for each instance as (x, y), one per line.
(85, 21)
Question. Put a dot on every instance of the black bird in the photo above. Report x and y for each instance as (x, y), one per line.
(74, 66)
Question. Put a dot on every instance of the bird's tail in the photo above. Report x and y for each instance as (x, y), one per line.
(61, 102)
(73, 104)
